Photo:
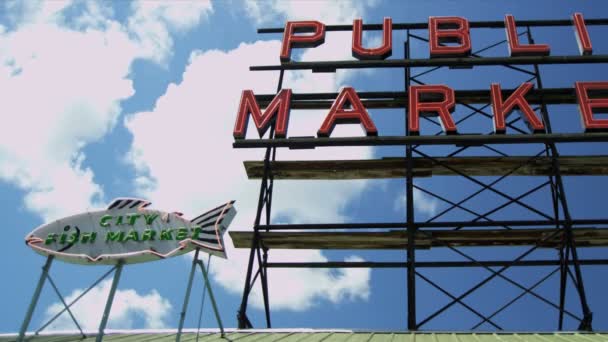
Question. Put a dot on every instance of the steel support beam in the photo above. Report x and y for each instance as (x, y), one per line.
(216, 312)
(35, 297)
(182, 315)
(458, 140)
(467, 62)
(110, 300)
(410, 219)
(430, 264)
(75, 300)
(426, 224)
(472, 24)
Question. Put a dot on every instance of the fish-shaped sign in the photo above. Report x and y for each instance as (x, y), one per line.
(129, 232)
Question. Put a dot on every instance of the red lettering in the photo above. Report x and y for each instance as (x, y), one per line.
(339, 115)
(455, 30)
(443, 108)
(588, 106)
(277, 110)
(517, 49)
(502, 109)
(381, 52)
(290, 39)
(582, 36)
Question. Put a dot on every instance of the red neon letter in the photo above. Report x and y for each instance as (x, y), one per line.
(455, 30)
(385, 50)
(582, 36)
(338, 115)
(290, 39)
(516, 49)
(443, 108)
(277, 109)
(502, 109)
(588, 106)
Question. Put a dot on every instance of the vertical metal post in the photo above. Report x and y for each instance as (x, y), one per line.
(35, 297)
(110, 300)
(212, 297)
(411, 228)
(264, 200)
(569, 239)
(243, 321)
(182, 315)
(264, 279)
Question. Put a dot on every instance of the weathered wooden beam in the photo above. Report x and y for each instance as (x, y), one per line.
(584, 237)
(395, 167)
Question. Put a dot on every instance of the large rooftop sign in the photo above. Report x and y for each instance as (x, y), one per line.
(449, 44)
(129, 232)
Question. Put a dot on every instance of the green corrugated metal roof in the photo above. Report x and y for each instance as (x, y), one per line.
(325, 336)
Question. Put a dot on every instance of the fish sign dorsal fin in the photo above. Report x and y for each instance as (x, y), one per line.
(130, 203)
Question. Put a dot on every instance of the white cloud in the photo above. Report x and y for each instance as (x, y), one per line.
(153, 21)
(326, 11)
(152, 308)
(62, 84)
(423, 203)
(184, 156)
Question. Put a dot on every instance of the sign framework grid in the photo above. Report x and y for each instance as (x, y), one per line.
(556, 229)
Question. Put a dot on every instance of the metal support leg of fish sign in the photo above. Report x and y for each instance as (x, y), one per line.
(30, 309)
(182, 315)
(99, 280)
(212, 297)
(65, 305)
(106, 311)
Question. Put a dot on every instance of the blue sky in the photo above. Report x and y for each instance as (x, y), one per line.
(102, 100)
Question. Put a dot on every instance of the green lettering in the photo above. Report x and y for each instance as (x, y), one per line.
(132, 235)
(119, 221)
(52, 237)
(115, 236)
(88, 237)
(62, 238)
(150, 218)
(148, 235)
(104, 220)
(181, 234)
(195, 232)
(133, 218)
(73, 238)
(165, 234)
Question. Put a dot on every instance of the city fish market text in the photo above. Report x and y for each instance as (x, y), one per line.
(149, 234)
(436, 100)
(128, 232)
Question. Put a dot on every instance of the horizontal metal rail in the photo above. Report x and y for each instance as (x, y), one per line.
(459, 140)
(428, 264)
(330, 66)
(445, 224)
(399, 99)
(472, 24)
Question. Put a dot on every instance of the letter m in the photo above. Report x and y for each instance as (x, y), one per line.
(277, 110)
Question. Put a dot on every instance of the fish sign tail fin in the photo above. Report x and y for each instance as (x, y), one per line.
(213, 224)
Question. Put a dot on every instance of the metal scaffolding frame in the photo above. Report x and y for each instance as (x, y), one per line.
(559, 222)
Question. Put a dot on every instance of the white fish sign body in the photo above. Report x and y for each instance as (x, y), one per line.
(127, 231)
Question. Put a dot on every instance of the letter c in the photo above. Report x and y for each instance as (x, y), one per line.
(104, 220)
